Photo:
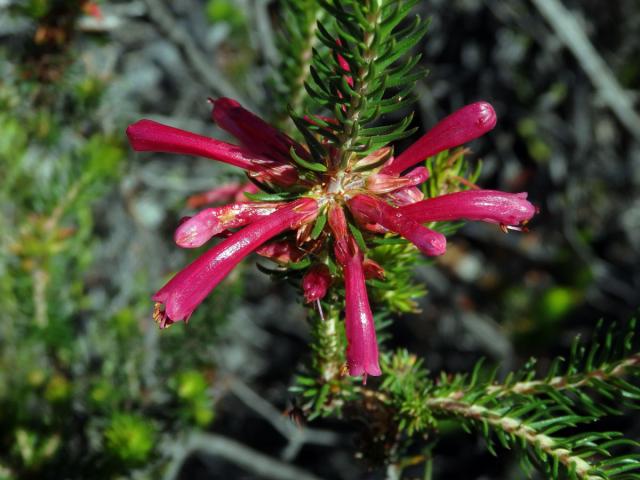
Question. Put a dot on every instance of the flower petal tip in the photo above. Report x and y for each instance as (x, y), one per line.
(359, 370)
(486, 116)
(138, 134)
(197, 230)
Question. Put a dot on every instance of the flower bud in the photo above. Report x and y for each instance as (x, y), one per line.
(315, 283)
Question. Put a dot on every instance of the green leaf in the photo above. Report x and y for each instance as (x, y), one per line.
(315, 167)
(268, 197)
(358, 237)
(321, 221)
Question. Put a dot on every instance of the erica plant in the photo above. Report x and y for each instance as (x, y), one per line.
(340, 209)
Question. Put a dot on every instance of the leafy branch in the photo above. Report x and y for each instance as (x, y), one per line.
(537, 416)
(592, 381)
(529, 429)
(363, 77)
(550, 419)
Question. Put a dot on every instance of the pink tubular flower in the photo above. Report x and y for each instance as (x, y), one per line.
(509, 209)
(315, 282)
(150, 136)
(380, 156)
(381, 200)
(338, 225)
(178, 299)
(362, 352)
(462, 126)
(252, 132)
(246, 188)
(362, 349)
(200, 228)
(380, 212)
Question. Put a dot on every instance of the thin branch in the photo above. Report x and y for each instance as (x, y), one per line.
(257, 403)
(296, 436)
(327, 345)
(193, 56)
(576, 40)
(64, 203)
(40, 275)
(250, 460)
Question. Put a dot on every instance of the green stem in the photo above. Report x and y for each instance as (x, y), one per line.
(361, 83)
(328, 356)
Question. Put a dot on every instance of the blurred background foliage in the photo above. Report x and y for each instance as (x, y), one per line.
(89, 388)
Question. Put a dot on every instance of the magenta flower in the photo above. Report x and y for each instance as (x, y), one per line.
(199, 229)
(150, 136)
(372, 269)
(382, 183)
(377, 211)
(188, 288)
(369, 194)
(362, 349)
(508, 209)
(460, 127)
(283, 252)
(254, 133)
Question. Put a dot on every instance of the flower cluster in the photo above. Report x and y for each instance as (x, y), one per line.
(317, 211)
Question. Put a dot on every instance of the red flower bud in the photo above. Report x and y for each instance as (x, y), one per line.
(315, 282)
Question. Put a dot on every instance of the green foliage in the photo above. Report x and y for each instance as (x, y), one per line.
(549, 419)
(539, 416)
(398, 291)
(370, 39)
(406, 380)
(35, 8)
(192, 389)
(323, 388)
(225, 11)
(130, 438)
(450, 172)
(74, 365)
